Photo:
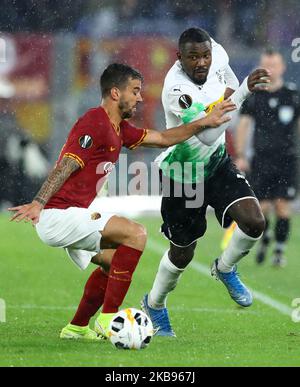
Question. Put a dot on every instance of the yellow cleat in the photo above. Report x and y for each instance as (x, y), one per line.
(102, 324)
(79, 333)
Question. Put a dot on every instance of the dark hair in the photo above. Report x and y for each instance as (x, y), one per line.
(117, 75)
(193, 35)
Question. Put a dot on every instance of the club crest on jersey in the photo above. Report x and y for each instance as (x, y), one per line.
(219, 76)
(85, 141)
(185, 101)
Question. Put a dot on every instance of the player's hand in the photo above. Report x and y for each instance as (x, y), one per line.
(258, 80)
(28, 212)
(218, 115)
(242, 164)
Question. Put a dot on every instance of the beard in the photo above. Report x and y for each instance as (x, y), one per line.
(199, 81)
(126, 112)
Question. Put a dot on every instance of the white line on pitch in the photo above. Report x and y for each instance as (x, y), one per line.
(200, 268)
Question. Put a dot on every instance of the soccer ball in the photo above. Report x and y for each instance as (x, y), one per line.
(130, 329)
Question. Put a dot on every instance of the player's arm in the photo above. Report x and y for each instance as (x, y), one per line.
(241, 140)
(257, 80)
(182, 133)
(231, 80)
(57, 177)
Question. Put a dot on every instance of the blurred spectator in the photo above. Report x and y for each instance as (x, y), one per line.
(22, 164)
(42, 15)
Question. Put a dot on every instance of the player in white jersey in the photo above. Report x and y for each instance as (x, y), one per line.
(198, 173)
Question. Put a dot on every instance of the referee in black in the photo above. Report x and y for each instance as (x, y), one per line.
(273, 169)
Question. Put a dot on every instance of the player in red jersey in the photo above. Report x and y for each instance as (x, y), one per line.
(60, 209)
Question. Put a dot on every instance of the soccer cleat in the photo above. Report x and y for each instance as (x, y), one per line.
(278, 260)
(102, 324)
(159, 318)
(236, 289)
(78, 333)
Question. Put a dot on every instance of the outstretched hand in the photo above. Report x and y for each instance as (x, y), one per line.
(258, 80)
(28, 212)
(218, 115)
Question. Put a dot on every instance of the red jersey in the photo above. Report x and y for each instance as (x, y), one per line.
(95, 144)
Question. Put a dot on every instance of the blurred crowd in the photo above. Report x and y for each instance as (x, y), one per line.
(246, 21)
(41, 83)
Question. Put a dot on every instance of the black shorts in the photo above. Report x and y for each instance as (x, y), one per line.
(274, 178)
(182, 225)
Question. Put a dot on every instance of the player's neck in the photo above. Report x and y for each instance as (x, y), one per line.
(276, 85)
(113, 113)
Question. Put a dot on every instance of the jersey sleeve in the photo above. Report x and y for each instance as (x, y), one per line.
(183, 103)
(230, 78)
(83, 141)
(131, 135)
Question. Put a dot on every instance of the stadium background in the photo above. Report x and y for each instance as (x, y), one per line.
(56, 50)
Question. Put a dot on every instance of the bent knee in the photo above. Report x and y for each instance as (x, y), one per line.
(136, 234)
(254, 226)
(182, 256)
(140, 231)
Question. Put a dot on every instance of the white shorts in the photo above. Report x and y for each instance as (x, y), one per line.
(74, 229)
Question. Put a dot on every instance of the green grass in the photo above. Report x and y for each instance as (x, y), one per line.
(41, 288)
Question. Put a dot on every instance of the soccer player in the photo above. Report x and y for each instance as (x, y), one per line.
(273, 169)
(197, 81)
(60, 209)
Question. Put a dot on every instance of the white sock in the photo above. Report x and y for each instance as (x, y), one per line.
(238, 247)
(165, 281)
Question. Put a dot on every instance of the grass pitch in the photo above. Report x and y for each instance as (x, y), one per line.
(41, 288)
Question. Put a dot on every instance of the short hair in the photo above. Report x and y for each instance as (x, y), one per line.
(193, 35)
(117, 75)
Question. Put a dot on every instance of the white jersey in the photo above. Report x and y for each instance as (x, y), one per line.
(185, 101)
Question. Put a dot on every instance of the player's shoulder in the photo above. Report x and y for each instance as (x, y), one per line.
(94, 116)
(94, 121)
(220, 58)
(177, 82)
(290, 90)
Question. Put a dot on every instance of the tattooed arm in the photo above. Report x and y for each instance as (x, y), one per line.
(57, 177)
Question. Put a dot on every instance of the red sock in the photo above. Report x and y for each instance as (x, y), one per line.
(92, 299)
(122, 267)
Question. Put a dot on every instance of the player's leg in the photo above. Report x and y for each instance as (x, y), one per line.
(233, 199)
(250, 226)
(91, 301)
(263, 178)
(171, 266)
(130, 237)
(282, 230)
(182, 226)
(266, 206)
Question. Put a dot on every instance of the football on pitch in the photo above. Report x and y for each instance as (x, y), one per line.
(130, 329)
